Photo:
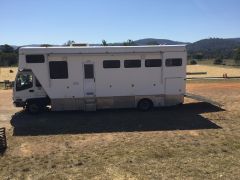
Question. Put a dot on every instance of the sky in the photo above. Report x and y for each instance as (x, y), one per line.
(25, 22)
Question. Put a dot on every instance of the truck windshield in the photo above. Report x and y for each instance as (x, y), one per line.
(24, 81)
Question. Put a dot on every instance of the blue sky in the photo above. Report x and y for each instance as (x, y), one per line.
(56, 21)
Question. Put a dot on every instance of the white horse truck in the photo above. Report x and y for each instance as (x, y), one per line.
(91, 78)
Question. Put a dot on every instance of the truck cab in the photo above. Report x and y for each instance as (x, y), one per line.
(28, 92)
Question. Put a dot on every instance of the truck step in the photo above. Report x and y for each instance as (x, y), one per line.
(90, 104)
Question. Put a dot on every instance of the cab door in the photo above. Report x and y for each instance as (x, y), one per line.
(24, 88)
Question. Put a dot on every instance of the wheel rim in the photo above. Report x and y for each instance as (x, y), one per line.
(145, 105)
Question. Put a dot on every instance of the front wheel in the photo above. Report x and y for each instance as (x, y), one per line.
(145, 105)
(33, 108)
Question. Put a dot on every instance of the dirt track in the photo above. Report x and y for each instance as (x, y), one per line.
(195, 141)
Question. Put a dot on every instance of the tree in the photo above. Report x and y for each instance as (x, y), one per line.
(237, 56)
(218, 61)
(193, 62)
(69, 43)
(198, 56)
(104, 43)
(45, 45)
(129, 42)
(8, 59)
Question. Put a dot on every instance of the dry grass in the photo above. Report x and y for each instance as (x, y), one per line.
(195, 141)
(8, 73)
(213, 71)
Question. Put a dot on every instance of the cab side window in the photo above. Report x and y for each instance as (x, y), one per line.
(37, 83)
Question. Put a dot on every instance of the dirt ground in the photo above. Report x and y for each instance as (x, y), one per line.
(194, 141)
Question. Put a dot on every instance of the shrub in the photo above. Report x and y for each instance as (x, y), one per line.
(193, 62)
(237, 56)
(218, 61)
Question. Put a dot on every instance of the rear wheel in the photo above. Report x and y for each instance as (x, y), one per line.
(145, 105)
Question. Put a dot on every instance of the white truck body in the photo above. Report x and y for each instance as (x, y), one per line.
(90, 78)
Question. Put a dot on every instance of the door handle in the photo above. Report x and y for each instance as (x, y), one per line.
(31, 90)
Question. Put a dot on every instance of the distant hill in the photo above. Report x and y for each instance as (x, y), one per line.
(209, 48)
(235, 39)
(149, 41)
(214, 47)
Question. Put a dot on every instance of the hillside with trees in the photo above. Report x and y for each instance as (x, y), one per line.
(8, 56)
(212, 48)
(237, 56)
(152, 41)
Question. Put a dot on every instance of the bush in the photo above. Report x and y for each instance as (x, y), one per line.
(218, 61)
(193, 62)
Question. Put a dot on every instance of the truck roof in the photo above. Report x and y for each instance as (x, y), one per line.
(101, 49)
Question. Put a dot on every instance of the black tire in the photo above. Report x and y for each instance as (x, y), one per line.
(145, 105)
(34, 108)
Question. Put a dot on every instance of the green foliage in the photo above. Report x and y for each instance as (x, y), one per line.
(45, 45)
(69, 43)
(198, 56)
(8, 59)
(104, 43)
(193, 62)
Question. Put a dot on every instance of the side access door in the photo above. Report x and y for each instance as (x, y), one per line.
(89, 87)
(89, 80)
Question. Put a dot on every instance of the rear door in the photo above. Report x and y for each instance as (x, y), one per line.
(174, 86)
(174, 72)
